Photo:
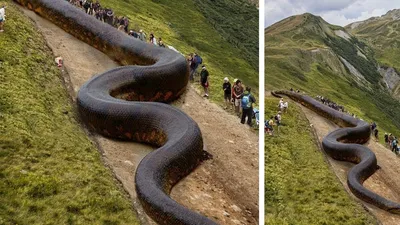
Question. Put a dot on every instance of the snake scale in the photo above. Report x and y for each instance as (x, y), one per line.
(124, 103)
(345, 144)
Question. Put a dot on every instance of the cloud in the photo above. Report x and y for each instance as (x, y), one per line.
(339, 12)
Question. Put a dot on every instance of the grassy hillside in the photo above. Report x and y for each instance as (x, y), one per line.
(383, 35)
(50, 171)
(300, 188)
(183, 25)
(304, 52)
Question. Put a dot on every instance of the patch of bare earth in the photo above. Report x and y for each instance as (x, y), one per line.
(385, 181)
(224, 189)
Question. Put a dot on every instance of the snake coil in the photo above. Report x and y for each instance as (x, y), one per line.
(161, 76)
(345, 144)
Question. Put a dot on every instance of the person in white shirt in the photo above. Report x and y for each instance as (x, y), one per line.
(285, 106)
(2, 17)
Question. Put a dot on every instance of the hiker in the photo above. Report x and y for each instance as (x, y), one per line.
(126, 24)
(161, 43)
(120, 23)
(226, 86)
(142, 35)
(394, 145)
(237, 95)
(193, 66)
(373, 126)
(204, 80)
(278, 118)
(2, 17)
(86, 6)
(280, 104)
(386, 139)
(391, 138)
(376, 133)
(256, 116)
(96, 6)
(285, 107)
(269, 126)
(153, 39)
(109, 18)
(247, 106)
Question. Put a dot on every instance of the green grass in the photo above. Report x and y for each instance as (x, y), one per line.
(300, 188)
(183, 25)
(50, 171)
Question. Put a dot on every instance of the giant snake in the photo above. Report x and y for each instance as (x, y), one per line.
(159, 75)
(345, 144)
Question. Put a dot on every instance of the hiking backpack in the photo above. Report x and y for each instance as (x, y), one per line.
(246, 103)
(199, 60)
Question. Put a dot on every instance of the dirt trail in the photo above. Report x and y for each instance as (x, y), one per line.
(385, 181)
(224, 189)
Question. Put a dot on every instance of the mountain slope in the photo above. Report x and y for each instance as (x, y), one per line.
(305, 52)
(383, 35)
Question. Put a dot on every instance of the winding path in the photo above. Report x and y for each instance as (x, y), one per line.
(162, 77)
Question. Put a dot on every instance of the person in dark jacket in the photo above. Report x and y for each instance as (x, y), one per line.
(226, 86)
(204, 80)
(247, 106)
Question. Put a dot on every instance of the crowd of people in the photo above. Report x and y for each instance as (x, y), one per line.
(276, 120)
(241, 100)
(330, 103)
(107, 15)
(392, 142)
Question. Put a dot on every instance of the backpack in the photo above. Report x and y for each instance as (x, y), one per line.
(199, 60)
(246, 104)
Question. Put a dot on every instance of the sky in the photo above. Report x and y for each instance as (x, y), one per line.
(338, 12)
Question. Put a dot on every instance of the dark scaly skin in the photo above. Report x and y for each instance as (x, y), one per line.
(345, 144)
(162, 77)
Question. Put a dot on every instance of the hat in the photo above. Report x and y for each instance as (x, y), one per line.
(235, 80)
(226, 79)
(140, 30)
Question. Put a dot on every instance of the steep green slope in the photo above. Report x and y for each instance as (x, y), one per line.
(183, 25)
(50, 172)
(305, 52)
(383, 35)
(300, 188)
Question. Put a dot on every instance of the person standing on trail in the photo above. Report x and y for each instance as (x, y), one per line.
(142, 35)
(226, 86)
(376, 131)
(153, 39)
(2, 17)
(269, 126)
(161, 43)
(237, 95)
(386, 139)
(204, 80)
(391, 138)
(394, 145)
(278, 119)
(280, 104)
(285, 107)
(247, 106)
(373, 126)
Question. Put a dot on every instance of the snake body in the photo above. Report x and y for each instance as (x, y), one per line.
(345, 144)
(161, 75)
